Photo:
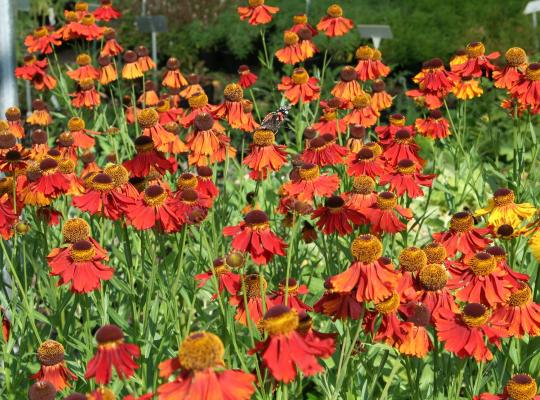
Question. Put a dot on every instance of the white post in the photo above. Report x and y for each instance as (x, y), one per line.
(535, 30)
(8, 86)
(376, 41)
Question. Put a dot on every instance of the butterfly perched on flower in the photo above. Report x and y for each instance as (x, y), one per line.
(273, 120)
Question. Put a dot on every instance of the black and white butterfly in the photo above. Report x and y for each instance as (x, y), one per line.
(275, 119)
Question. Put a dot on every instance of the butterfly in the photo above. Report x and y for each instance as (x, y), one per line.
(273, 120)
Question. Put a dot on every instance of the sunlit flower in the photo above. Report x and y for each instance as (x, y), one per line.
(434, 125)
(246, 77)
(300, 21)
(365, 162)
(330, 123)
(8, 217)
(383, 216)
(292, 53)
(300, 87)
(257, 13)
(205, 183)
(406, 178)
(527, 87)
(254, 235)
(88, 29)
(467, 88)
(435, 78)
(363, 112)
(463, 332)
(131, 69)
(148, 160)
(519, 315)
(265, 155)
(225, 278)
(155, 207)
(520, 386)
(201, 372)
(334, 23)
(478, 63)
(310, 183)
(144, 60)
(106, 12)
(348, 87)
(372, 277)
(370, 66)
(391, 329)
(112, 351)
(42, 40)
(111, 47)
(82, 137)
(463, 236)
(233, 108)
(503, 210)
(510, 74)
(459, 57)
(324, 150)
(45, 182)
(85, 69)
(285, 350)
(107, 70)
(40, 114)
(362, 194)
(415, 340)
(80, 265)
(165, 141)
(254, 287)
(15, 122)
(402, 147)
(387, 132)
(52, 365)
(337, 217)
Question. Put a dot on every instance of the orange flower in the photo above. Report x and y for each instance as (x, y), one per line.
(300, 87)
(257, 12)
(15, 123)
(467, 89)
(434, 126)
(348, 88)
(111, 47)
(526, 89)
(131, 69)
(339, 305)
(329, 123)
(232, 109)
(86, 95)
(251, 284)
(40, 115)
(363, 112)
(82, 137)
(323, 150)
(85, 69)
(292, 53)
(42, 40)
(265, 155)
(107, 70)
(370, 66)
(477, 62)
(44, 182)
(362, 194)
(53, 367)
(247, 78)
(87, 28)
(164, 141)
(300, 21)
(193, 86)
(355, 141)
(198, 103)
(511, 73)
(106, 12)
(334, 23)
(380, 99)
(173, 78)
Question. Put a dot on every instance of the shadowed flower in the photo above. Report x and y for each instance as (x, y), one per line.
(201, 372)
(339, 305)
(416, 341)
(111, 47)
(330, 123)
(106, 12)
(86, 95)
(383, 216)
(363, 112)
(519, 315)
(348, 87)
(164, 140)
(148, 160)
(406, 178)
(226, 279)
(257, 13)
(173, 78)
(477, 63)
(402, 147)
(233, 109)
(53, 367)
(112, 352)
(286, 350)
(380, 99)
(144, 60)
(324, 150)
(365, 163)
(434, 125)
(337, 217)
(253, 235)
(431, 286)
(334, 23)
(42, 390)
(246, 77)
(265, 155)
(291, 292)
(255, 287)
(510, 74)
(467, 89)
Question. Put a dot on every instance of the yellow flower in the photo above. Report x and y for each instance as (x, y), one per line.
(503, 210)
(534, 244)
(468, 89)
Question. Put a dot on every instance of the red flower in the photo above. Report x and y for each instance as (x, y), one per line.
(370, 66)
(300, 87)
(265, 155)
(336, 217)
(42, 40)
(103, 197)
(334, 23)
(202, 374)
(477, 62)
(226, 279)
(87, 28)
(6, 324)
(253, 310)
(13, 117)
(300, 22)
(46, 181)
(363, 193)
(527, 88)
(463, 236)
(402, 147)
(257, 12)
(323, 343)
(286, 349)
(348, 88)
(85, 69)
(363, 112)
(205, 184)
(253, 235)
(206, 143)
(291, 299)
(164, 140)
(112, 352)
(233, 108)
(481, 280)
(519, 315)
(8, 216)
(111, 47)
(53, 367)
(106, 12)
(82, 137)
(293, 52)
(193, 206)
(432, 290)
(435, 79)
(365, 162)
(81, 265)
(155, 207)
(373, 276)
(310, 183)
(386, 132)
(416, 341)
(148, 160)
(463, 333)
(434, 126)
(391, 331)
(324, 150)
(384, 215)
(247, 78)
(516, 64)
(339, 305)
(407, 179)
(329, 123)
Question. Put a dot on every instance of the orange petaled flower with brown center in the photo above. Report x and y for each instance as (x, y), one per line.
(265, 155)
(334, 23)
(201, 371)
(519, 315)
(300, 87)
(53, 367)
(256, 12)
